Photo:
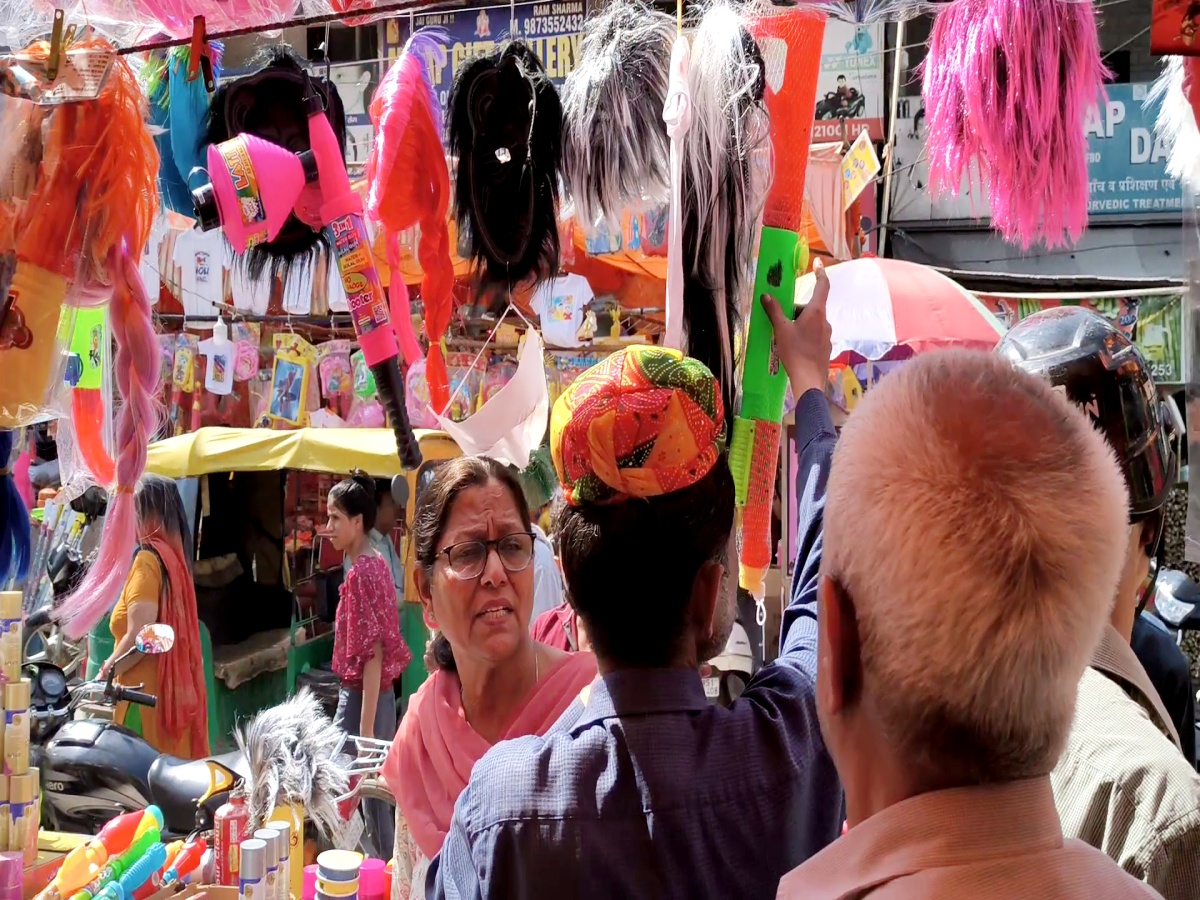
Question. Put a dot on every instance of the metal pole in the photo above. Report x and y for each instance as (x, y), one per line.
(897, 74)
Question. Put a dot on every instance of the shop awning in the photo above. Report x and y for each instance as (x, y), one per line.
(333, 450)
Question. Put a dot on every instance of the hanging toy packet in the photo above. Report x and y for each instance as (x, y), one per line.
(246, 338)
(292, 392)
(336, 376)
(420, 415)
(364, 381)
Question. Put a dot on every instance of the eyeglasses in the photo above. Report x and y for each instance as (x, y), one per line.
(468, 559)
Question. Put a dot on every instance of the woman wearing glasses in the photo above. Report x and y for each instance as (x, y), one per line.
(491, 681)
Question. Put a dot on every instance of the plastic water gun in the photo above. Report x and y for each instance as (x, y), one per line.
(791, 48)
(754, 450)
(81, 866)
(182, 860)
(89, 341)
(139, 872)
(120, 833)
(155, 881)
(144, 838)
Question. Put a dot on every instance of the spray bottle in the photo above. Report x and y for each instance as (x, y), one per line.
(230, 824)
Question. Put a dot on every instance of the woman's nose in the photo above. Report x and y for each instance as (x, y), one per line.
(494, 572)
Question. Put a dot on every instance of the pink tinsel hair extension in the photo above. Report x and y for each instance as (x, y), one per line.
(1008, 84)
(137, 373)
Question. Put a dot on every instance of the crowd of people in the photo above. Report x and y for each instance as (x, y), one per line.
(956, 710)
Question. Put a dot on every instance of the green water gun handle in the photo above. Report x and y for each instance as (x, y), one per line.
(764, 383)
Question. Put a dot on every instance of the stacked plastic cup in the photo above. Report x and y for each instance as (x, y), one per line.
(371, 878)
(338, 875)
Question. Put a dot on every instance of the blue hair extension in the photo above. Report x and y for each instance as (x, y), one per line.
(171, 187)
(14, 520)
(188, 110)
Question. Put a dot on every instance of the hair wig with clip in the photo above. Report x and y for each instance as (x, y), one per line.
(408, 183)
(616, 154)
(270, 104)
(726, 176)
(506, 132)
(1007, 85)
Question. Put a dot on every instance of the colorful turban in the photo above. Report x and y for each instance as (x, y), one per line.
(646, 421)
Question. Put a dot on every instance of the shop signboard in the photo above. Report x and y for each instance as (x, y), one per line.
(550, 29)
(1127, 165)
(850, 83)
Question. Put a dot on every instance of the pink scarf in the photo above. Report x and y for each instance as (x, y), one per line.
(435, 748)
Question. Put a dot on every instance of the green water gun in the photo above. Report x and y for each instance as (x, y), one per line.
(754, 449)
(119, 866)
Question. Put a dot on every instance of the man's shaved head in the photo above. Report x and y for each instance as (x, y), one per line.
(976, 522)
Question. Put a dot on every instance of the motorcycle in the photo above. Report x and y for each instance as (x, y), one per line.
(94, 770)
(1177, 604)
(42, 637)
(725, 676)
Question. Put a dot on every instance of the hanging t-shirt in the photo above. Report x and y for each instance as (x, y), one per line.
(151, 267)
(202, 256)
(298, 290)
(560, 305)
(250, 294)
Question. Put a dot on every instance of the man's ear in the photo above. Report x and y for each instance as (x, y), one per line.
(706, 593)
(840, 652)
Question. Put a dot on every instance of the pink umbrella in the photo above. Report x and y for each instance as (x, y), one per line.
(877, 305)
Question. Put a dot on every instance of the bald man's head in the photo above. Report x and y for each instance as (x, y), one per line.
(976, 522)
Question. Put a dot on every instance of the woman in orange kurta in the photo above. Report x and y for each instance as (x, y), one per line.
(160, 589)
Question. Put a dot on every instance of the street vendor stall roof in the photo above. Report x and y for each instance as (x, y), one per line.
(334, 450)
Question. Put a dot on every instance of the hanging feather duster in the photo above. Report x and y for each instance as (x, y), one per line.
(292, 751)
(270, 105)
(1008, 84)
(1177, 92)
(616, 155)
(726, 166)
(408, 183)
(506, 133)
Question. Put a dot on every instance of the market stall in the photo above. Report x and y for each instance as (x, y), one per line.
(242, 475)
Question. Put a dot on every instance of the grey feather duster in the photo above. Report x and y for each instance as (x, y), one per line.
(293, 754)
(616, 154)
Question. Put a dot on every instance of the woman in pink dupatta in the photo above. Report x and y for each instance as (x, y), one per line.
(491, 680)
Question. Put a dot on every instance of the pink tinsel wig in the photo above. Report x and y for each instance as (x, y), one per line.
(1008, 84)
(408, 183)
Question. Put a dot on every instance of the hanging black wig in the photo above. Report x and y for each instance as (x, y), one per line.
(270, 104)
(506, 133)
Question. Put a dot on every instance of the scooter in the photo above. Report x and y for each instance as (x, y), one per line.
(1177, 604)
(94, 770)
(725, 676)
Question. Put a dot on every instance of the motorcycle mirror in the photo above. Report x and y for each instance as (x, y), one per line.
(155, 639)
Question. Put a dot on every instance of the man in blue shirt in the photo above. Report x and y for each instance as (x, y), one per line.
(643, 789)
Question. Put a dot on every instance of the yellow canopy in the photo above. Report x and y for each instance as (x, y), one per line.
(333, 450)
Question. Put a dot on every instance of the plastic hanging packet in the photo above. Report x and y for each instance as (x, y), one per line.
(82, 73)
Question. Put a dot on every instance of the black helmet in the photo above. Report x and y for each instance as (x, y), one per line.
(1099, 369)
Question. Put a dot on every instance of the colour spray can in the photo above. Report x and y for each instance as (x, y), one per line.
(283, 883)
(253, 870)
(270, 837)
(230, 824)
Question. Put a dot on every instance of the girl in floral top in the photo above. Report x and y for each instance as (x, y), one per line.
(369, 652)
